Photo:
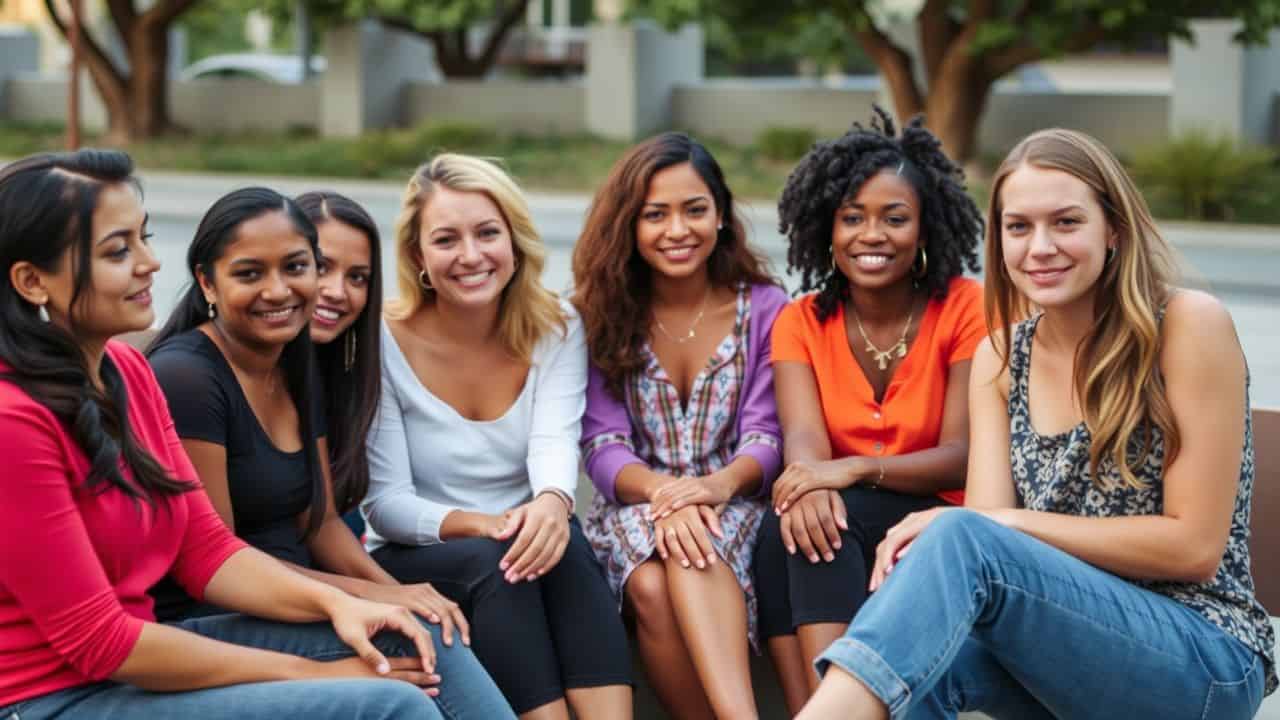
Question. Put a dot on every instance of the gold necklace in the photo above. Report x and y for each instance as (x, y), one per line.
(882, 358)
(689, 335)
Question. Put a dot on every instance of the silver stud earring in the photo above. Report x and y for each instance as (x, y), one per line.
(42, 312)
(213, 313)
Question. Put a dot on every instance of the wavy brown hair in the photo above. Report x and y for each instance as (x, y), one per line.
(613, 290)
(1117, 374)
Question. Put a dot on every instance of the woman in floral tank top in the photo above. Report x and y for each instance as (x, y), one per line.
(1101, 569)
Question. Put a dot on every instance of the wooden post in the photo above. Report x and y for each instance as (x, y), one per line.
(73, 86)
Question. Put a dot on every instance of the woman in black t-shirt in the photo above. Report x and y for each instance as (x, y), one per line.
(236, 364)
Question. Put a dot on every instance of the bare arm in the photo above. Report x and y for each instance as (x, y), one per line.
(990, 483)
(168, 659)
(1204, 372)
(210, 461)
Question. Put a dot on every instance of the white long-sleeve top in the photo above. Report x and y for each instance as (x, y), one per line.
(426, 460)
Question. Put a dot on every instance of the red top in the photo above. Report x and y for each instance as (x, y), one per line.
(909, 418)
(75, 565)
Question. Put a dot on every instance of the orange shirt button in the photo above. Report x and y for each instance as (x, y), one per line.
(875, 415)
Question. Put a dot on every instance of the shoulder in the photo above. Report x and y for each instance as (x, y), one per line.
(567, 332)
(188, 361)
(768, 297)
(1196, 324)
(801, 312)
(964, 297)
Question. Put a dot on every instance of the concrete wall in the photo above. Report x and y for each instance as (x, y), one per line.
(215, 104)
(1123, 122)
(530, 107)
(211, 105)
(737, 110)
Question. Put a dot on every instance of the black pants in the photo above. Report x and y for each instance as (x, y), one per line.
(793, 592)
(535, 638)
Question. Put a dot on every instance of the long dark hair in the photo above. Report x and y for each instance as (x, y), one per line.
(47, 203)
(613, 288)
(350, 394)
(218, 229)
(833, 172)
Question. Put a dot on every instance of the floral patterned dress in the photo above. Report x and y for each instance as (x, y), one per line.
(691, 441)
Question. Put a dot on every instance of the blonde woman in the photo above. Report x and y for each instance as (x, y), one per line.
(473, 458)
(1102, 566)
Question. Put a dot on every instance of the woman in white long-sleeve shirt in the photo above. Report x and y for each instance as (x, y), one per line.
(473, 459)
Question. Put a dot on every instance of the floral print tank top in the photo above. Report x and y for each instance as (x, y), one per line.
(1051, 474)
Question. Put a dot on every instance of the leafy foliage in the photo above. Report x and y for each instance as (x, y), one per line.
(785, 144)
(1200, 176)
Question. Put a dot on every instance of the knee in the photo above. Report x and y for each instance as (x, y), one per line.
(393, 699)
(647, 592)
(962, 530)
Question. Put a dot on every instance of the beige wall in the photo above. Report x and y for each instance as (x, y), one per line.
(530, 107)
(211, 105)
(737, 111)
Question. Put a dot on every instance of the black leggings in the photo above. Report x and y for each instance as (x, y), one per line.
(793, 592)
(535, 638)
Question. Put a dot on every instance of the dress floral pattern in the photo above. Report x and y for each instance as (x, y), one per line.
(1051, 474)
(691, 441)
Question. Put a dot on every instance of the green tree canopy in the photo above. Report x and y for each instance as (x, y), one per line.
(445, 23)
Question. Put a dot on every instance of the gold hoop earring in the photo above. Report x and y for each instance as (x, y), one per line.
(924, 265)
(349, 353)
(423, 281)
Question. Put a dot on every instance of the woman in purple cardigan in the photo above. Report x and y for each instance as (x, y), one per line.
(681, 433)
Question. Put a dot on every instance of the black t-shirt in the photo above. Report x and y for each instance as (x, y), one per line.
(269, 488)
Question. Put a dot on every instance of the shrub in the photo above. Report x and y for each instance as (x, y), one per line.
(454, 137)
(785, 144)
(1199, 176)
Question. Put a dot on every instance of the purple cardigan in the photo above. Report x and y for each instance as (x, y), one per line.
(757, 410)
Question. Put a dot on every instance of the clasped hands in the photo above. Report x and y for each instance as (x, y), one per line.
(683, 511)
(540, 528)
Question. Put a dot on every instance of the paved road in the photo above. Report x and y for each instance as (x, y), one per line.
(1240, 265)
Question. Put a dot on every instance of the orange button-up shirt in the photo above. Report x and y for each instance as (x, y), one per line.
(909, 418)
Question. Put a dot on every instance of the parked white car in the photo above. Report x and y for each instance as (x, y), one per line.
(286, 69)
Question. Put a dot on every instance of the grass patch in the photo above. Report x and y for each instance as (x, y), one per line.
(570, 163)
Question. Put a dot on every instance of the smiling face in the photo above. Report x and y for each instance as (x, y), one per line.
(117, 298)
(1054, 235)
(344, 270)
(264, 285)
(466, 248)
(678, 223)
(876, 234)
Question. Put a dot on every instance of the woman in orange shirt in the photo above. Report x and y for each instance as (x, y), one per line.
(871, 375)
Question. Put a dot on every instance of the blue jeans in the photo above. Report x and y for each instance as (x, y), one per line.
(466, 692)
(978, 617)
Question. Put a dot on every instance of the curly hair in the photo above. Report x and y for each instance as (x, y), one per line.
(612, 287)
(834, 171)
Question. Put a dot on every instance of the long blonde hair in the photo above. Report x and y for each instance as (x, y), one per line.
(528, 310)
(1117, 376)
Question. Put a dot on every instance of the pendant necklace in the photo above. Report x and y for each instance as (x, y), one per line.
(882, 358)
(689, 335)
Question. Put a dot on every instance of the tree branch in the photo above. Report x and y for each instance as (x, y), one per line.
(498, 35)
(1002, 62)
(165, 12)
(894, 63)
(937, 29)
(122, 16)
(95, 54)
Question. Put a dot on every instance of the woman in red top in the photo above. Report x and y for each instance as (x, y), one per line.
(100, 502)
(870, 372)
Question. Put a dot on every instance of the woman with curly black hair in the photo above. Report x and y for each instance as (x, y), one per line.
(871, 374)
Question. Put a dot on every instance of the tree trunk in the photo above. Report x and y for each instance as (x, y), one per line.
(149, 82)
(953, 109)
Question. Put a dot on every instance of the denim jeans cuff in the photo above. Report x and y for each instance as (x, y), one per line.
(867, 666)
